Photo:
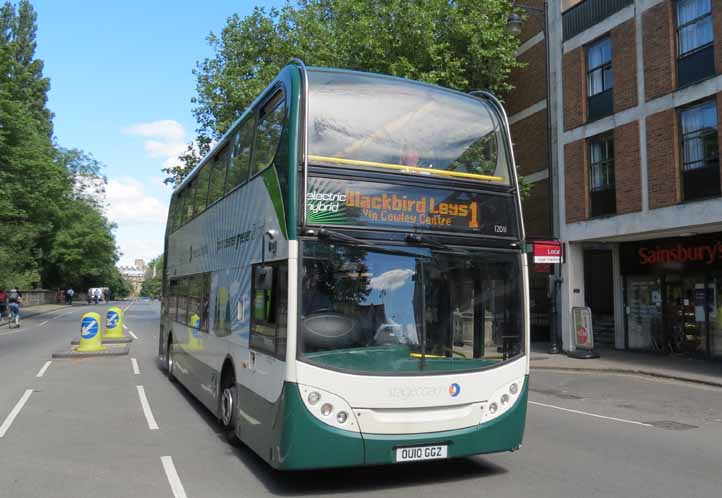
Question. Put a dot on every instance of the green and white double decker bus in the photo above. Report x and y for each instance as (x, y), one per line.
(344, 277)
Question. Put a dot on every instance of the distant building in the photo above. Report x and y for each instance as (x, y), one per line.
(134, 275)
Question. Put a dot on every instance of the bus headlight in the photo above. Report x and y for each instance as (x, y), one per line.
(329, 408)
(326, 409)
(503, 400)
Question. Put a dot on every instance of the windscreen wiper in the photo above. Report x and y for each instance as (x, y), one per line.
(415, 238)
(331, 235)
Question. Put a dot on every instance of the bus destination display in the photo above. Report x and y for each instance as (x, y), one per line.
(353, 203)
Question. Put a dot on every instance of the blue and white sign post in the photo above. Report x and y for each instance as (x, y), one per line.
(90, 333)
(114, 323)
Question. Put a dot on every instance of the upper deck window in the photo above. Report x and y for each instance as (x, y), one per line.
(371, 121)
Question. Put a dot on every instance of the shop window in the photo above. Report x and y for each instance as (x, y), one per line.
(601, 176)
(599, 79)
(700, 153)
(268, 132)
(694, 41)
(269, 305)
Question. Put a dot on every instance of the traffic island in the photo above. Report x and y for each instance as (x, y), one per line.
(114, 350)
(90, 342)
(120, 340)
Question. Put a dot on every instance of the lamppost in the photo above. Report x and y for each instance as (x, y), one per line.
(513, 26)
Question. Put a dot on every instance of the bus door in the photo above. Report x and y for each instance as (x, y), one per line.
(267, 365)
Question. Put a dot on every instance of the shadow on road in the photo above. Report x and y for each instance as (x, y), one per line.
(345, 480)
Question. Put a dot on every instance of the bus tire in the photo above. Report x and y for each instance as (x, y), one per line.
(228, 407)
(169, 360)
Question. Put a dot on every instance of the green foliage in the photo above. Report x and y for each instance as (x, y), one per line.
(153, 281)
(52, 229)
(460, 44)
(119, 287)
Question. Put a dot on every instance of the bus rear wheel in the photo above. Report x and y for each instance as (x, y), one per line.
(169, 360)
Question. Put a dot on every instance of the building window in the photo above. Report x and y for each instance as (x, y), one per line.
(694, 41)
(599, 79)
(700, 152)
(601, 176)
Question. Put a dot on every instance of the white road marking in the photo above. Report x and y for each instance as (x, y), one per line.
(579, 412)
(136, 370)
(42, 370)
(175, 483)
(152, 424)
(14, 413)
(46, 321)
(132, 334)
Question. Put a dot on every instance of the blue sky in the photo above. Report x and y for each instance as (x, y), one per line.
(121, 85)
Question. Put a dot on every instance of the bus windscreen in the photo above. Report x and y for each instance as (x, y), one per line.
(370, 121)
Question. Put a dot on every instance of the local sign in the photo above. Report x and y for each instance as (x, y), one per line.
(547, 251)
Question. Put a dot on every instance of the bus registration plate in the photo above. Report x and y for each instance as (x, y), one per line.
(421, 453)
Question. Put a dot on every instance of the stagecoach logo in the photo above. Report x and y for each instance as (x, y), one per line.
(454, 390)
(408, 392)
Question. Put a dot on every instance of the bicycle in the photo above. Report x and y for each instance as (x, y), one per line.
(14, 316)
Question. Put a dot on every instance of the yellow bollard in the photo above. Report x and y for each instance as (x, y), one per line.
(114, 324)
(90, 334)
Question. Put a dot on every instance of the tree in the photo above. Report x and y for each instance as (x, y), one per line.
(460, 44)
(52, 228)
(153, 281)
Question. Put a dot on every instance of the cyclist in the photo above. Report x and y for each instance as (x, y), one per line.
(15, 298)
(3, 303)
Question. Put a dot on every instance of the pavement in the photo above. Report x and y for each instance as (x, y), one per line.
(638, 363)
(116, 427)
(39, 309)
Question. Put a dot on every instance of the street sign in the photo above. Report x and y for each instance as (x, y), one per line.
(547, 251)
(582, 323)
(583, 334)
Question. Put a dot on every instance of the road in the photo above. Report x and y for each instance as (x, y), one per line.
(82, 431)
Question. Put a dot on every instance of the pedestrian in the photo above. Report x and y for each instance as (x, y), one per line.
(70, 293)
(3, 303)
(96, 296)
(106, 294)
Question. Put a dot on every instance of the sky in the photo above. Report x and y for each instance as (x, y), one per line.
(121, 87)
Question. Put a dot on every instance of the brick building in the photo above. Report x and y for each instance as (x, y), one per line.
(532, 127)
(637, 90)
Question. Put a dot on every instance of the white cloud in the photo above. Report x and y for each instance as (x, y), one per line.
(164, 139)
(140, 218)
(128, 204)
(167, 130)
(391, 280)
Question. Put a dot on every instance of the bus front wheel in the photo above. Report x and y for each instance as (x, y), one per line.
(228, 408)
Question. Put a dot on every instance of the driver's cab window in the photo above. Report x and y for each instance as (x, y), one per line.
(269, 308)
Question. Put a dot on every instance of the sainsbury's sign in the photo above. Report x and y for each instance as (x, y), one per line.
(700, 253)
